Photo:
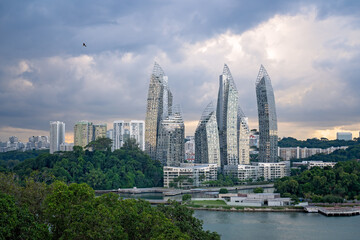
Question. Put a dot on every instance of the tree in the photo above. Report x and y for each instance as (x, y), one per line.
(223, 191)
(130, 144)
(258, 190)
(100, 144)
(186, 197)
(183, 218)
(17, 222)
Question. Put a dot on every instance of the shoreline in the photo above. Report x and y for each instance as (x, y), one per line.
(249, 209)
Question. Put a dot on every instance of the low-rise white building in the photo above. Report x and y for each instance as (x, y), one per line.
(66, 147)
(192, 174)
(267, 171)
(311, 164)
(259, 200)
(288, 153)
(242, 172)
(271, 171)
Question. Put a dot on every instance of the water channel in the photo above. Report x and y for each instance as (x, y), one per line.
(273, 225)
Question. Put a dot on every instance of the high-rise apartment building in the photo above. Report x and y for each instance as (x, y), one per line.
(347, 136)
(268, 137)
(137, 132)
(83, 133)
(99, 131)
(227, 118)
(244, 138)
(207, 148)
(57, 135)
(123, 131)
(159, 105)
(170, 143)
(118, 134)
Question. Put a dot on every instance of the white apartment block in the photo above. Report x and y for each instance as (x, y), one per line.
(289, 153)
(311, 164)
(124, 130)
(242, 172)
(66, 147)
(57, 135)
(272, 171)
(197, 172)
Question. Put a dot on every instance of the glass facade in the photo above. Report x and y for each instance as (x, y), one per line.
(170, 149)
(268, 138)
(207, 148)
(159, 105)
(227, 118)
(244, 138)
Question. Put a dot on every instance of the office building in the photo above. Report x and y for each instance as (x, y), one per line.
(159, 105)
(207, 148)
(57, 136)
(83, 133)
(268, 137)
(347, 136)
(170, 143)
(193, 174)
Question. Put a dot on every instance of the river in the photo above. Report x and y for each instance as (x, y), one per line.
(272, 225)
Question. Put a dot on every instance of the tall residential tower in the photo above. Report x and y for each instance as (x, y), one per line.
(227, 118)
(159, 105)
(57, 135)
(170, 149)
(268, 137)
(207, 148)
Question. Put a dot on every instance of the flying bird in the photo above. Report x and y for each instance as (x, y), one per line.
(84, 45)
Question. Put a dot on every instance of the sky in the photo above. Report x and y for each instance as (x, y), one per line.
(311, 50)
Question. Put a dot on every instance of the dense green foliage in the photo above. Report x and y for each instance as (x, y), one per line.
(182, 217)
(315, 143)
(258, 190)
(126, 167)
(351, 153)
(8, 160)
(323, 185)
(60, 211)
(223, 191)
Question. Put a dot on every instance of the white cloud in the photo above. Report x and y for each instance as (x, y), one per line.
(304, 55)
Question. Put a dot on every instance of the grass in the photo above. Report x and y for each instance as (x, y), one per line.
(209, 203)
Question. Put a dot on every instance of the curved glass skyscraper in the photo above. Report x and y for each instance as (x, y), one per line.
(159, 105)
(243, 138)
(227, 118)
(268, 138)
(207, 148)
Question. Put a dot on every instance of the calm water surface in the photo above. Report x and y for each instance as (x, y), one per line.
(271, 226)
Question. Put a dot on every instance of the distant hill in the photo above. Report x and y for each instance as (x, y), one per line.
(315, 143)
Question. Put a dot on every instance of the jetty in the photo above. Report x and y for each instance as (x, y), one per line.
(339, 211)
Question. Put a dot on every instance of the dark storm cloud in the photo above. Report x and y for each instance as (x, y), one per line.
(46, 74)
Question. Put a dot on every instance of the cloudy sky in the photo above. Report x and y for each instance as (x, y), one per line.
(311, 50)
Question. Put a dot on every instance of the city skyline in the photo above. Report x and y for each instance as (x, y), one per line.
(47, 75)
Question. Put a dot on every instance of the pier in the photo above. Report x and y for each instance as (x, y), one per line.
(339, 211)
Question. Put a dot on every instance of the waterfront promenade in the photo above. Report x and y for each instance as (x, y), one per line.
(174, 191)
